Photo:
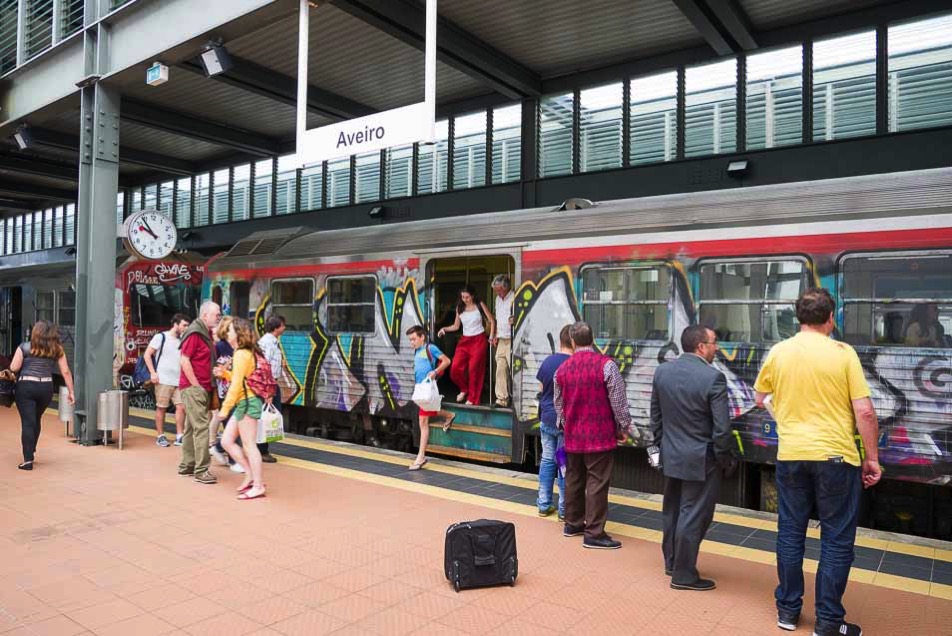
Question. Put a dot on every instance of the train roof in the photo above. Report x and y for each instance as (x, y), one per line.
(905, 193)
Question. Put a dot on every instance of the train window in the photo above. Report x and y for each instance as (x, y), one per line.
(351, 304)
(66, 313)
(154, 305)
(294, 299)
(239, 298)
(627, 302)
(745, 301)
(897, 300)
(44, 306)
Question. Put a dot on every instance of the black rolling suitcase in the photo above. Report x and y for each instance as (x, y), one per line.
(481, 553)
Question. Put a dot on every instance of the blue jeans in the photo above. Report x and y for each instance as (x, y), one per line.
(835, 490)
(549, 470)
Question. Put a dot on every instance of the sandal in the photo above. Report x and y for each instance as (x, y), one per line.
(245, 496)
(415, 466)
(461, 397)
(448, 421)
(245, 489)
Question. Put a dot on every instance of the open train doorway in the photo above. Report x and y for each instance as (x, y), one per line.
(11, 320)
(447, 278)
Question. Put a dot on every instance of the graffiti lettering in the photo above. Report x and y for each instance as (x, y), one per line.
(169, 273)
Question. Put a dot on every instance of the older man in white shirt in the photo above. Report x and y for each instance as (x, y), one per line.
(502, 338)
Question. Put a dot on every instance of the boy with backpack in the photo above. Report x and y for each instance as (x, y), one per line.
(428, 363)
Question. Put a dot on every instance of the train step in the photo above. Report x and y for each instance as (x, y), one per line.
(478, 432)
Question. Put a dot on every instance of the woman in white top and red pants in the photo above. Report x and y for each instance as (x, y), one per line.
(472, 352)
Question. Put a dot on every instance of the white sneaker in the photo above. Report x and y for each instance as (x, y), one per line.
(218, 455)
(178, 440)
(236, 468)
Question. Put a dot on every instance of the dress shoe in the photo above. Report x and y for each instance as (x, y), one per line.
(268, 459)
(604, 542)
(700, 585)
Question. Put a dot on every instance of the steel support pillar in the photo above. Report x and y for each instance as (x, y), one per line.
(95, 235)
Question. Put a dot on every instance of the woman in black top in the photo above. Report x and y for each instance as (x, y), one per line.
(36, 362)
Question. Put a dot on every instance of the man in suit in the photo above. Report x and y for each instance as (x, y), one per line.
(690, 421)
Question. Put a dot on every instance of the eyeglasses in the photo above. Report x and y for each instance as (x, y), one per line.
(713, 342)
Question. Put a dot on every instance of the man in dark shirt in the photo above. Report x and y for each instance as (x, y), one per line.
(195, 383)
(548, 428)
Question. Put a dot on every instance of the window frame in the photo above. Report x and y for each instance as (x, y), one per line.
(51, 308)
(299, 279)
(764, 303)
(59, 308)
(328, 304)
(632, 266)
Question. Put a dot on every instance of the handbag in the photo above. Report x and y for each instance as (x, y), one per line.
(8, 386)
(140, 374)
(270, 426)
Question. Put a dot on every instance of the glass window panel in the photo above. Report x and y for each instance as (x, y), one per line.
(154, 305)
(3, 237)
(58, 227)
(39, 26)
(135, 199)
(654, 118)
(240, 183)
(775, 98)
(43, 305)
(600, 130)
(8, 35)
(8, 226)
(71, 16)
(469, 150)
(38, 230)
(264, 171)
(844, 87)
(220, 211)
(351, 304)
(312, 185)
(555, 135)
(294, 299)
(627, 302)
(183, 203)
(507, 143)
(286, 199)
(47, 229)
(150, 196)
(399, 175)
(165, 198)
(202, 198)
(71, 224)
(710, 119)
(367, 177)
(338, 183)
(920, 74)
(17, 234)
(120, 206)
(27, 232)
(66, 313)
(433, 161)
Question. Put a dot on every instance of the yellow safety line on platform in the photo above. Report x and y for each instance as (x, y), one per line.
(880, 579)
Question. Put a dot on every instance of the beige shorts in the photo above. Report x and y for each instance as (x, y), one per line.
(166, 392)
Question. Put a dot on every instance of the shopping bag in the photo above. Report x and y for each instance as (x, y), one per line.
(270, 426)
(427, 396)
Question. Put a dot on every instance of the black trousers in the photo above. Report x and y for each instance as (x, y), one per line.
(32, 398)
(687, 511)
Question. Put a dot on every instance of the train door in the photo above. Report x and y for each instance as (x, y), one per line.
(11, 319)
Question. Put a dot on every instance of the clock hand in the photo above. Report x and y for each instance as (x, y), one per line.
(146, 228)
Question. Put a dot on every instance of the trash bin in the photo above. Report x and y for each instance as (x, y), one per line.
(66, 412)
(113, 414)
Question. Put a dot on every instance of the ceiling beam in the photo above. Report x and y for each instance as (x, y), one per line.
(260, 80)
(732, 17)
(144, 158)
(16, 204)
(35, 191)
(405, 20)
(195, 128)
(32, 166)
(698, 14)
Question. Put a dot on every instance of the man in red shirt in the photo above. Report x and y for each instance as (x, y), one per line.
(195, 384)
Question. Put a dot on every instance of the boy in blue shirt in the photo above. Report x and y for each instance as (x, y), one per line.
(428, 362)
(548, 428)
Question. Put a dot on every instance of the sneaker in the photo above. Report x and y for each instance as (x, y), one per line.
(548, 511)
(162, 441)
(178, 440)
(236, 468)
(700, 585)
(187, 472)
(268, 459)
(843, 629)
(787, 620)
(604, 542)
(562, 517)
(206, 478)
(218, 455)
(572, 531)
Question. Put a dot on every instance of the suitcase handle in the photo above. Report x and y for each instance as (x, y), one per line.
(484, 549)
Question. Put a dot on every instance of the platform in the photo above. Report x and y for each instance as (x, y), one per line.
(97, 540)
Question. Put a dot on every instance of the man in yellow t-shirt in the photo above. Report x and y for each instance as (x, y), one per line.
(820, 398)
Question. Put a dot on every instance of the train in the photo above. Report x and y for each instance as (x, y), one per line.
(639, 271)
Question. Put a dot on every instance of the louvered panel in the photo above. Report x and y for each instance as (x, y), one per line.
(600, 129)
(183, 203)
(286, 199)
(312, 187)
(399, 175)
(241, 187)
(775, 98)
(710, 120)
(39, 26)
(220, 200)
(262, 188)
(469, 151)
(8, 35)
(71, 16)
(844, 87)
(338, 183)
(920, 74)
(654, 101)
(507, 143)
(367, 178)
(432, 166)
(556, 142)
(268, 246)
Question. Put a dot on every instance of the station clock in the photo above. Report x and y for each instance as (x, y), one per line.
(150, 235)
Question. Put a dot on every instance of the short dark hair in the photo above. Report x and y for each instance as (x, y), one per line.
(581, 334)
(177, 318)
(417, 330)
(692, 337)
(565, 339)
(274, 322)
(815, 306)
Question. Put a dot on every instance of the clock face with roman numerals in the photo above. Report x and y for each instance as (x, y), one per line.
(150, 235)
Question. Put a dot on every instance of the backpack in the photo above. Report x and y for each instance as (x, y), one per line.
(261, 382)
(140, 374)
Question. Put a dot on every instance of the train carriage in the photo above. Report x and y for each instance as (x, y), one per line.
(639, 271)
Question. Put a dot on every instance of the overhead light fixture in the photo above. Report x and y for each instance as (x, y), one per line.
(575, 203)
(216, 59)
(738, 169)
(70, 251)
(186, 235)
(23, 137)
(376, 212)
